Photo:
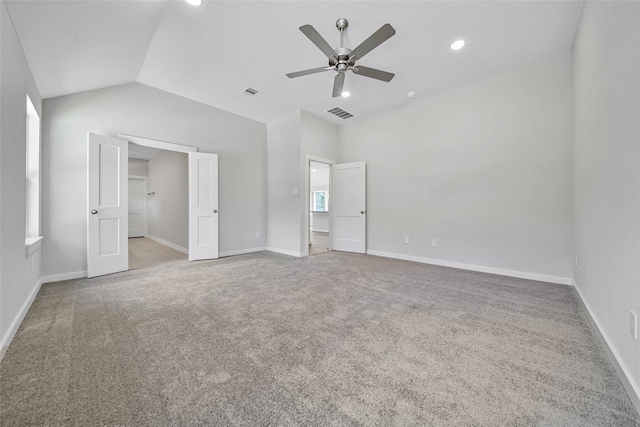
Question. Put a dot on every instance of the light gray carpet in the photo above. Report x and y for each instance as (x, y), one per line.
(334, 339)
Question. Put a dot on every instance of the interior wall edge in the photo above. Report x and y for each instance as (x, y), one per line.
(241, 252)
(479, 268)
(285, 252)
(167, 243)
(633, 389)
(64, 276)
(17, 321)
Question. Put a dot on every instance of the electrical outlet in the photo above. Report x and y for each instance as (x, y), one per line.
(434, 243)
(294, 191)
(406, 240)
(633, 325)
(257, 234)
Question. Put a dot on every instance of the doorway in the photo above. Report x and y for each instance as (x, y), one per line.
(319, 207)
(107, 200)
(158, 206)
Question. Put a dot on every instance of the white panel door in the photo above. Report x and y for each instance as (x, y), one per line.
(107, 222)
(137, 207)
(349, 207)
(203, 206)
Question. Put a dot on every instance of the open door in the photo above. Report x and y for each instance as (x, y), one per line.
(203, 206)
(107, 210)
(349, 207)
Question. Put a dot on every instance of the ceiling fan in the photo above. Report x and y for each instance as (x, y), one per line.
(342, 59)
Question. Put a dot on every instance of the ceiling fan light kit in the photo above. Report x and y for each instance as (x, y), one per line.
(343, 59)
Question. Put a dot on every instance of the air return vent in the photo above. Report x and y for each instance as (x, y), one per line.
(337, 111)
(250, 91)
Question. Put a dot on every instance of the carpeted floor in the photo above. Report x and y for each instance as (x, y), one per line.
(145, 252)
(330, 340)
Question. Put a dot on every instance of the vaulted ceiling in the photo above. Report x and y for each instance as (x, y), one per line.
(213, 52)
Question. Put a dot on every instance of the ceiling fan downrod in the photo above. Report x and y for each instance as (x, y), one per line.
(342, 61)
(342, 25)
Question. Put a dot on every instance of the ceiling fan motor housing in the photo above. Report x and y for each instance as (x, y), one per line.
(341, 61)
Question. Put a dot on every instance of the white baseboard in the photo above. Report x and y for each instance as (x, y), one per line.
(480, 268)
(64, 276)
(17, 321)
(285, 252)
(166, 243)
(241, 252)
(633, 389)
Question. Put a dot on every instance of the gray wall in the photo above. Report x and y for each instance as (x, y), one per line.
(317, 137)
(168, 209)
(138, 167)
(320, 140)
(140, 110)
(607, 171)
(290, 140)
(283, 175)
(19, 274)
(484, 168)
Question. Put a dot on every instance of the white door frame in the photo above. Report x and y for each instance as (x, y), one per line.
(307, 192)
(145, 229)
(160, 145)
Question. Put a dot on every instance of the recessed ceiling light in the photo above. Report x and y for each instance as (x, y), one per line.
(411, 94)
(457, 45)
(194, 2)
(346, 94)
(313, 170)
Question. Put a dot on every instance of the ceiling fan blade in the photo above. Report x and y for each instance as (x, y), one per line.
(338, 84)
(307, 72)
(373, 73)
(317, 39)
(374, 40)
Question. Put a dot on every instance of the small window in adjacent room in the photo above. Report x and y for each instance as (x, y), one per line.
(33, 178)
(320, 201)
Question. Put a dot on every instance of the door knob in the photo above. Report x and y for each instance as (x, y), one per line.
(215, 211)
(93, 211)
(361, 212)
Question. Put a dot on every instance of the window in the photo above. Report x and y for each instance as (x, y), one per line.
(33, 178)
(320, 200)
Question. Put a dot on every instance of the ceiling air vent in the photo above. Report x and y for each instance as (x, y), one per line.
(250, 91)
(337, 111)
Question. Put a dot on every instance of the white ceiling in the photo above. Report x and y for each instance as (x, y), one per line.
(213, 52)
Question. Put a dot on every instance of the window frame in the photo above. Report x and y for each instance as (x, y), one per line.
(33, 165)
(314, 206)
